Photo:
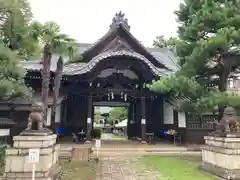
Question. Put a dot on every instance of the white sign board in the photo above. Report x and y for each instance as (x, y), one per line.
(4, 132)
(89, 120)
(33, 156)
(143, 121)
(98, 143)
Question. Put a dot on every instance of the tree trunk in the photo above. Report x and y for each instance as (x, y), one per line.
(57, 85)
(222, 88)
(47, 55)
(223, 81)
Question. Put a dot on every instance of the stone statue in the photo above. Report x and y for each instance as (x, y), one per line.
(229, 122)
(36, 116)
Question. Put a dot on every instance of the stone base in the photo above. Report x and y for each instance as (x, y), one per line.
(224, 134)
(52, 174)
(87, 142)
(17, 166)
(44, 132)
(221, 172)
(221, 156)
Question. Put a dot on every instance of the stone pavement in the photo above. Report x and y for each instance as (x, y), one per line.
(125, 168)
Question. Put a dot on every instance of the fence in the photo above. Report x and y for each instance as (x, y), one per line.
(205, 121)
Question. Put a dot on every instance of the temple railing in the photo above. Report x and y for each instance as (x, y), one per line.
(204, 121)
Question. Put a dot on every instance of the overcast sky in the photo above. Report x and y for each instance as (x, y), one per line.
(88, 20)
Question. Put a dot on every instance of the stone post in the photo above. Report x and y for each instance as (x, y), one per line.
(221, 156)
(17, 166)
(89, 120)
(143, 120)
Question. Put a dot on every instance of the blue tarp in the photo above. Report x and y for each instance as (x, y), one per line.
(61, 131)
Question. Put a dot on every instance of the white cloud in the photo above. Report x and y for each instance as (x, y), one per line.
(88, 20)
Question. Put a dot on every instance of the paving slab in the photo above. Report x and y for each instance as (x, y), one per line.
(125, 168)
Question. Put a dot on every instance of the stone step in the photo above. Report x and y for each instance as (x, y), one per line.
(172, 149)
(65, 153)
(169, 153)
(75, 154)
(112, 141)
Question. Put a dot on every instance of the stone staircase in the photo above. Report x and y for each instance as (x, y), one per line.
(66, 153)
(78, 153)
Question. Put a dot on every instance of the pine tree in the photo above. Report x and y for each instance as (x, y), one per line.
(11, 76)
(16, 30)
(207, 47)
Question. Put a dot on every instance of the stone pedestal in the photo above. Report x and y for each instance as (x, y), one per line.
(17, 166)
(221, 156)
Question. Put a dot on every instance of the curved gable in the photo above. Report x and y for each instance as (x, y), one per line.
(117, 38)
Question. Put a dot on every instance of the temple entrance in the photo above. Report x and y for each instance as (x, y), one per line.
(115, 72)
(116, 68)
(111, 118)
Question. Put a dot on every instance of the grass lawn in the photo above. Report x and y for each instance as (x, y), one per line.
(114, 137)
(178, 168)
(78, 170)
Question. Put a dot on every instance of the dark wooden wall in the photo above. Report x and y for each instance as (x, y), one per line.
(157, 115)
(131, 127)
(77, 108)
(138, 117)
(19, 117)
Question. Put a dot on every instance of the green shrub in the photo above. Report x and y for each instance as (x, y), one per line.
(3, 148)
(96, 133)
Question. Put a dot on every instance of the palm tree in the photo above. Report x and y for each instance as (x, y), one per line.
(57, 84)
(47, 56)
(53, 42)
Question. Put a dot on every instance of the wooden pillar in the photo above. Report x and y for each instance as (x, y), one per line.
(133, 123)
(143, 120)
(89, 119)
(130, 126)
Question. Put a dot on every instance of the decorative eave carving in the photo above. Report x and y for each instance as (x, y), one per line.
(89, 66)
(119, 19)
(118, 44)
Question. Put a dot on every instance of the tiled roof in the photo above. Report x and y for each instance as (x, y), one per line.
(81, 68)
(160, 57)
(166, 57)
(163, 55)
(29, 100)
(87, 67)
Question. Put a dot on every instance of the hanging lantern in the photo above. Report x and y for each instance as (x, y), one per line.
(121, 95)
(136, 86)
(112, 95)
(90, 84)
(98, 84)
(108, 96)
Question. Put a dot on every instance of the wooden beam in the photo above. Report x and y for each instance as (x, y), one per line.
(135, 93)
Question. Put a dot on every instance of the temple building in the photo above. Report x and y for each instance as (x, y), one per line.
(113, 71)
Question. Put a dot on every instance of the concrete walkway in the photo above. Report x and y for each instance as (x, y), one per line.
(125, 168)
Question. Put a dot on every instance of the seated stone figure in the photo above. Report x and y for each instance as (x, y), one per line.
(229, 122)
(36, 116)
